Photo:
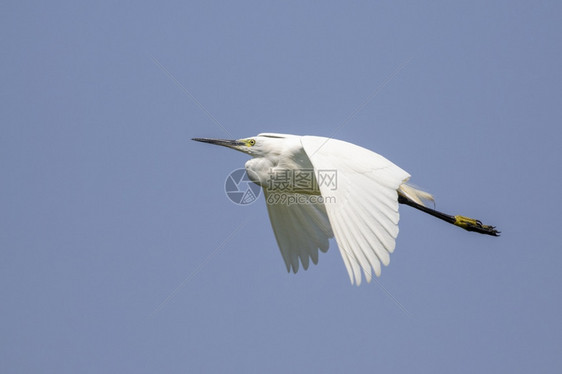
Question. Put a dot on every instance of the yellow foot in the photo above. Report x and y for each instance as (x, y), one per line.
(471, 224)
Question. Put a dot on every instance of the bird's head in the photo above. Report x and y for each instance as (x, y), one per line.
(256, 146)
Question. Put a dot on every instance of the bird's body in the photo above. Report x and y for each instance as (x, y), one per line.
(317, 188)
(287, 154)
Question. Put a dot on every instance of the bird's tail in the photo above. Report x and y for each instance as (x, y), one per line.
(415, 194)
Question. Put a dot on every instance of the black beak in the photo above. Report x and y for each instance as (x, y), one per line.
(223, 142)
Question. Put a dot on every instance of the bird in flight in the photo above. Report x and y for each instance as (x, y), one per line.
(317, 188)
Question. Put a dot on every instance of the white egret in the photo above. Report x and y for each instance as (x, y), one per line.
(317, 188)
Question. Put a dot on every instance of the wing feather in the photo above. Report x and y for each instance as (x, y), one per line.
(364, 256)
(355, 248)
(364, 211)
(300, 229)
(346, 250)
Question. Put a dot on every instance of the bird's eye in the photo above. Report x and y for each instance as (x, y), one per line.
(251, 142)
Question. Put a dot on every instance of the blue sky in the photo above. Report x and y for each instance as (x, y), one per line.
(120, 251)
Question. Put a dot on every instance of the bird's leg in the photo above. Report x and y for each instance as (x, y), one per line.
(472, 224)
(466, 223)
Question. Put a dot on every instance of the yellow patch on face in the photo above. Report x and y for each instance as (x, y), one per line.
(249, 142)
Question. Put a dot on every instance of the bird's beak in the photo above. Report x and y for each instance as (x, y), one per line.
(225, 143)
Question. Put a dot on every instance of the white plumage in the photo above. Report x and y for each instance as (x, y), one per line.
(362, 209)
(354, 197)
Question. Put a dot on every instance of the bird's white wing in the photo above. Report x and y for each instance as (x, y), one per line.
(301, 229)
(359, 188)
